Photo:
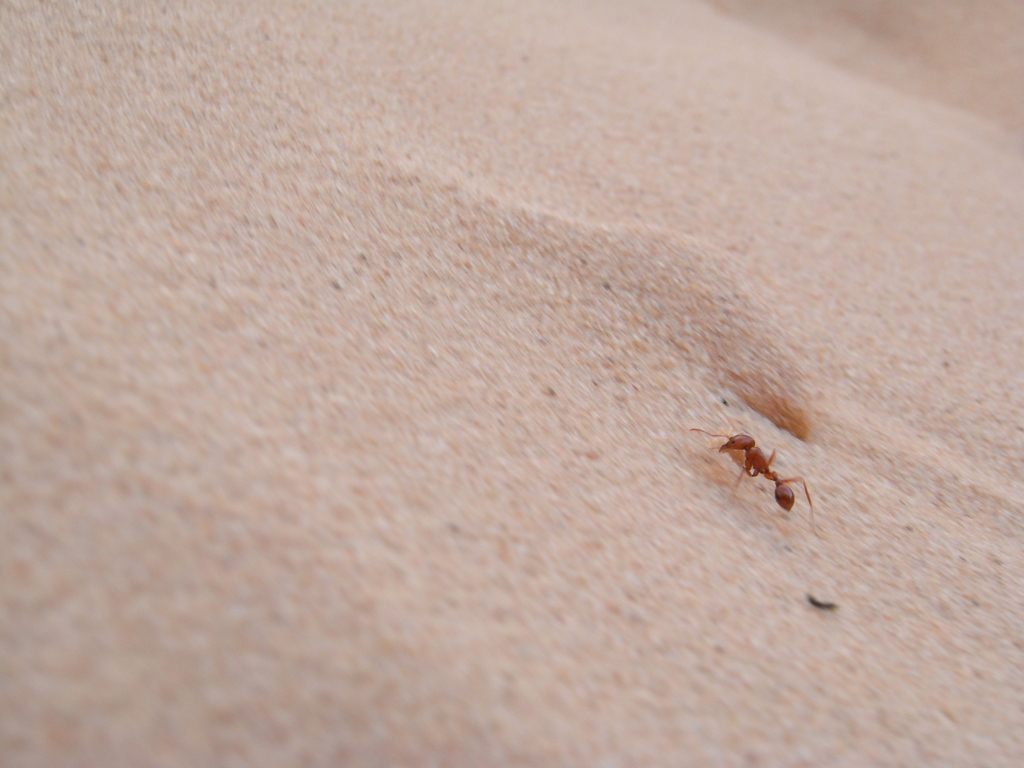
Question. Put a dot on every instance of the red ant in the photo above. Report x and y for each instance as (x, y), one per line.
(755, 463)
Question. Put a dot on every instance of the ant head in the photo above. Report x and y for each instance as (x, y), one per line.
(738, 443)
(784, 495)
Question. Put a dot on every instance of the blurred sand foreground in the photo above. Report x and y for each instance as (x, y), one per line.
(349, 352)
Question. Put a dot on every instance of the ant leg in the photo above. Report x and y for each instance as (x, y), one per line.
(810, 503)
(743, 472)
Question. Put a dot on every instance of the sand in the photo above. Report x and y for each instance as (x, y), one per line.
(350, 353)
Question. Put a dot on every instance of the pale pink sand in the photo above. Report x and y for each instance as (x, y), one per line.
(349, 353)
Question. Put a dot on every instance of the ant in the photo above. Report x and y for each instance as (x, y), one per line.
(755, 463)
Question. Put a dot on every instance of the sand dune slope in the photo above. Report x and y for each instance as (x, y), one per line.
(349, 356)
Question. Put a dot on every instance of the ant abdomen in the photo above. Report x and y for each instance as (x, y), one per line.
(784, 495)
